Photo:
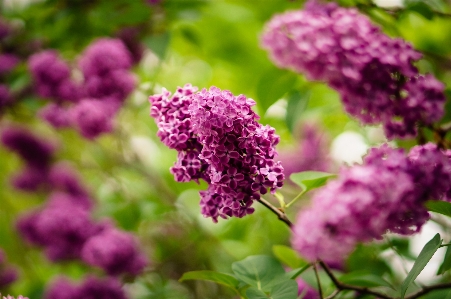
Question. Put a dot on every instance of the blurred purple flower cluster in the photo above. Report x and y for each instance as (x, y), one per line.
(11, 297)
(91, 287)
(385, 194)
(89, 105)
(373, 73)
(7, 274)
(219, 140)
(63, 226)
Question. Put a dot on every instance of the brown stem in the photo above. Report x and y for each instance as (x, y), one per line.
(428, 289)
(282, 216)
(334, 294)
(320, 290)
(342, 286)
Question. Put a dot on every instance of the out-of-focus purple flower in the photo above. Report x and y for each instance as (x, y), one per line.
(7, 274)
(62, 227)
(91, 288)
(306, 290)
(5, 96)
(8, 62)
(30, 179)
(56, 115)
(387, 193)
(11, 297)
(310, 154)
(117, 84)
(373, 73)
(92, 117)
(33, 150)
(219, 140)
(114, 251)
(52, 77)
(130, 37)
(103, 56)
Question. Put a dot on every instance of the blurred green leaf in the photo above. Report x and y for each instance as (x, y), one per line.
(441, 207)
(423, 259)
(253, 293)
(296, 104)
(288, 256)
(309, 180)
(364, 279)
(259, 271)
(220, 278)
(287, 289)
(420, 7)
(273, 85)
(296, 272)
(158, 44)
(446, 265)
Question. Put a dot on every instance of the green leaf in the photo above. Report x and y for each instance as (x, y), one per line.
(364, 279)
(221, 278)
(158, 44)
(287, 289)
(441, 207)
(297, 102)
(288, 256)
(420, 7)
(423, 259)
(258, 271)
(446, 265)
(309, 180)
(253, 293)
(273, 85)
(296, 272)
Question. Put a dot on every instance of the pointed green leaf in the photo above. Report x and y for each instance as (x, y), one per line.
(425, 255)
(296, 103)
(446, 265)
(364, 279)
(258, 271)
(253, 293)
(158, 44)
(309, 180)
(221, 278)
(441, 207)
(296, 272)
(288, 256)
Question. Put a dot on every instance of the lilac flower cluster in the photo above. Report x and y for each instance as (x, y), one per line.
(7, 274)
(63, 226)
(386, 193)
(91, 105)
(373, 73)
(91, 287)
(219, 140)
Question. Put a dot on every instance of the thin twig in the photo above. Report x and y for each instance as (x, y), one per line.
(320, 290)
(282, 216)
(428, 289)
(342, 286)
(334, 294)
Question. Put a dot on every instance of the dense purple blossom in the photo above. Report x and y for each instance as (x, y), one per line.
(62, 227)
(56, 115)
(386, 193)
(5, 96)
(52, 77)
(8, 62)
(103, 56)
(114, 251)
(92, 117)
(30, 179)
(219, 140)
(90, 288)
(373, 73)
(116, 84)
(36, 152)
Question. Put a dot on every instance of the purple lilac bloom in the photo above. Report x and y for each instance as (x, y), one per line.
(5, 96)
(114, 251)
(92, 117)
(36, 152)
(386, 193)
(130, 37)
(117, 84)
(373, 73)
(103, 56)
(91, 288)
(8, 62)
(52, 77)
(30, 179)
(62, 227)
(56, 115)
(219, 140)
